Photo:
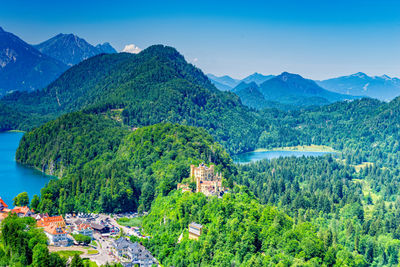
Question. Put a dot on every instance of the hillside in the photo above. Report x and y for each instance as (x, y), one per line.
(24, 68)
(238, 231)
(381, 87)
(156, 85)
(70, 49)
(250, 95)
(107, 168)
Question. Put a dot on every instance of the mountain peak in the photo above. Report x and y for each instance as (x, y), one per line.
(70, 48)
(284, 76)
(258, 78)
(106, 48)
(360, 75)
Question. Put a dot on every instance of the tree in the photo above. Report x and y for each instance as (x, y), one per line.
(77, 261)
(40, 257)
(82, 238)
(21, 199)
(35, 202)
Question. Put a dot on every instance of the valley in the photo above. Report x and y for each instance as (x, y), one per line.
(303, 176)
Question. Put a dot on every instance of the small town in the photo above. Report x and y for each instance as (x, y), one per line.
(100, 238)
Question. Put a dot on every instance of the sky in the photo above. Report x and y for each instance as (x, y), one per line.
(316, 39)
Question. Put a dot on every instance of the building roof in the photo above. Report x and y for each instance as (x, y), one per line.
(196, 225)
(3, 204)
(83, 226)
(54, 230)
(97, 227)
(140, 252)
(54, 220)
(21, 210)
(121, 243)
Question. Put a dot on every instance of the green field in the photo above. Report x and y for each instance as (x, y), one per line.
(68, 253)
(132, 222)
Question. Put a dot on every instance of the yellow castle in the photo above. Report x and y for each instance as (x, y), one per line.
(207, 180)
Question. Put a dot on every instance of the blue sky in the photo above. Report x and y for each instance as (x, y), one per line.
(317, 39)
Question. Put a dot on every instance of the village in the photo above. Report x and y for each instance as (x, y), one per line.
(100, 238)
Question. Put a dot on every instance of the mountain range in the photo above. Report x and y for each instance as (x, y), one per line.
(70, 49)
(22, 67)
(156, 85)
(381, 87)
(286, 91)
(227, 83)
(25, 67)
(359, 84)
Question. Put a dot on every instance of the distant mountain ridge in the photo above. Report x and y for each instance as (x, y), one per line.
(223, 83)
(227, 83)
(71, 49)
(257, 78)
(287, 90)
(380, 87)
(24, 68)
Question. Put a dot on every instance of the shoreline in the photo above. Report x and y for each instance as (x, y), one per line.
(14, 131)
(312, 148)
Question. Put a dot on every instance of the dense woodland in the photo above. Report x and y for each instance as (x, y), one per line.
(107, 168)
(358, 209)
(120, 150)
(155, 86)
(22, 244)
(238, 231)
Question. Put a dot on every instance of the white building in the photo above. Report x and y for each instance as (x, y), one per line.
(56, 235)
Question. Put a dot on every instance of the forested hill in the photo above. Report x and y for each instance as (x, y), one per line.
(156, 85)
(105, 167)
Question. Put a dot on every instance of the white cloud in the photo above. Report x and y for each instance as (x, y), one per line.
(131, 48)
(195, 60)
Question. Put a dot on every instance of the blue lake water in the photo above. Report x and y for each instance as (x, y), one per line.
(248, 157)
(15, 178)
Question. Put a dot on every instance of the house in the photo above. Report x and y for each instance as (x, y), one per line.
(141, 256)
(23, 211)
(195, 230)
(84, 229)
(3, 206)
(134, 253)
(52, 221)
(56, 235)
(121, 245)
(100, 228)
(40, 216)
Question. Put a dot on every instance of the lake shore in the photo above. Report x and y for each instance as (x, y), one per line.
(311, 148)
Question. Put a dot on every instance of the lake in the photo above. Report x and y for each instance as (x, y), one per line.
(14, 177)
(248, 157)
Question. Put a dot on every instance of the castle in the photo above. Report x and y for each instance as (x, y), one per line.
(207, 181)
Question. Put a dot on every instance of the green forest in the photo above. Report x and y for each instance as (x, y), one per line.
(121, 130)
(238, 231)
(105, 167)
